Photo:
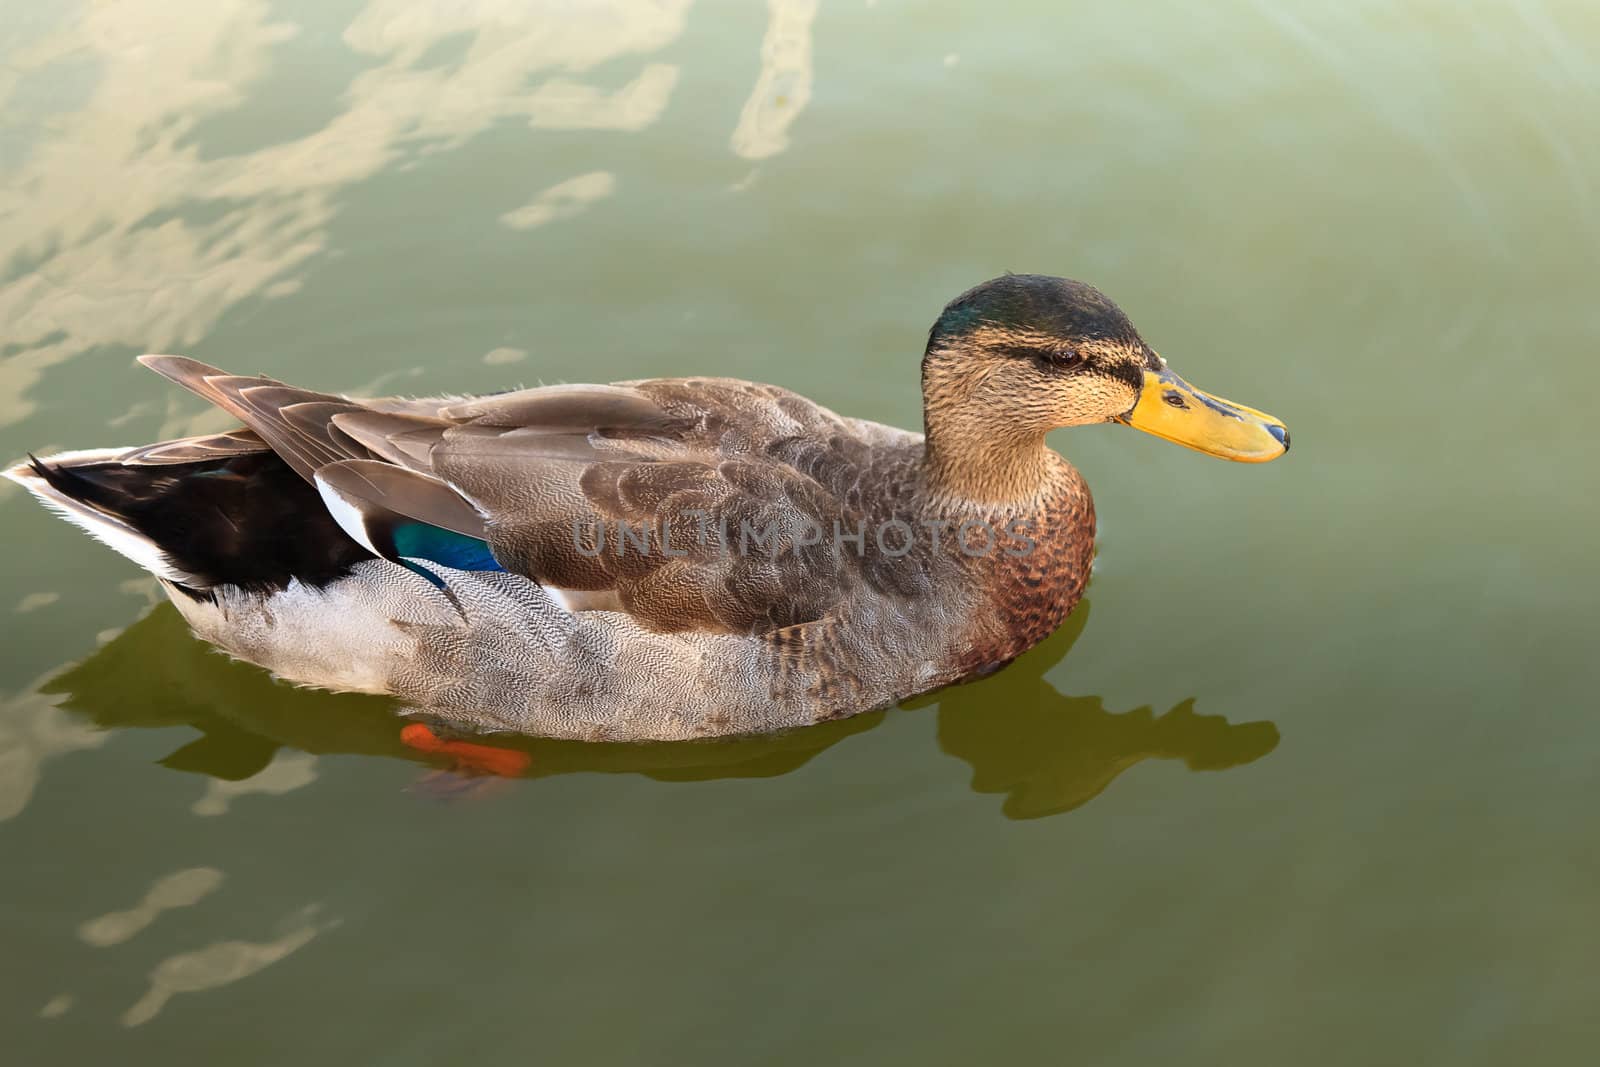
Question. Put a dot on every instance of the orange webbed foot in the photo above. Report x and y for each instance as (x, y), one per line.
(466, 757)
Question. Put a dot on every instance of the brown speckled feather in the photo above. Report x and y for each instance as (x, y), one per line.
(691, 499)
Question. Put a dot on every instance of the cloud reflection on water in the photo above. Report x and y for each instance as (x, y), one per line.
(180, 889)
(221, 963)
(32, 730)
(154, 257)
(562, 200)
(783, 88)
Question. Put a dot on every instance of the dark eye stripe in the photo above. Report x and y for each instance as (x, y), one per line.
(1054, 357)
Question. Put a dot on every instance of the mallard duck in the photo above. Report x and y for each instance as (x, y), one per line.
(663, 559)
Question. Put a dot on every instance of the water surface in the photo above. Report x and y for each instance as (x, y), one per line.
(1309, 780)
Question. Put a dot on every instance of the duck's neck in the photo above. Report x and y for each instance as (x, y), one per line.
(990, 466)
(972, 453)
(1031, 583)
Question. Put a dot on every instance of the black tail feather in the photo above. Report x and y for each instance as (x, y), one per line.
(247, 521)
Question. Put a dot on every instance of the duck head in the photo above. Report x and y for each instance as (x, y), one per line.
(1018, 356)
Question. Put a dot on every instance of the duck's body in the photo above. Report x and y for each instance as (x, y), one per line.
(664, 559)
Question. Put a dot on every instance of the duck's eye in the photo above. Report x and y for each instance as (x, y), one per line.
(1062, 357)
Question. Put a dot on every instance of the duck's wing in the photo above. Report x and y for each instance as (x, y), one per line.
(693, 504)
(294, 423)
(298, 425)
(195, 449)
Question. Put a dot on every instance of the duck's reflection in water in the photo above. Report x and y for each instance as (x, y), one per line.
(1047, 752)
(1051, 753)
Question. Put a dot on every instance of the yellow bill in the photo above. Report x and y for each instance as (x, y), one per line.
(1170, 407)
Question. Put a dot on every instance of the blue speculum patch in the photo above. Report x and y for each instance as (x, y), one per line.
(420, 541)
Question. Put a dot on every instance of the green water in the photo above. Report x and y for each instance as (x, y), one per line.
(1311, 779)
